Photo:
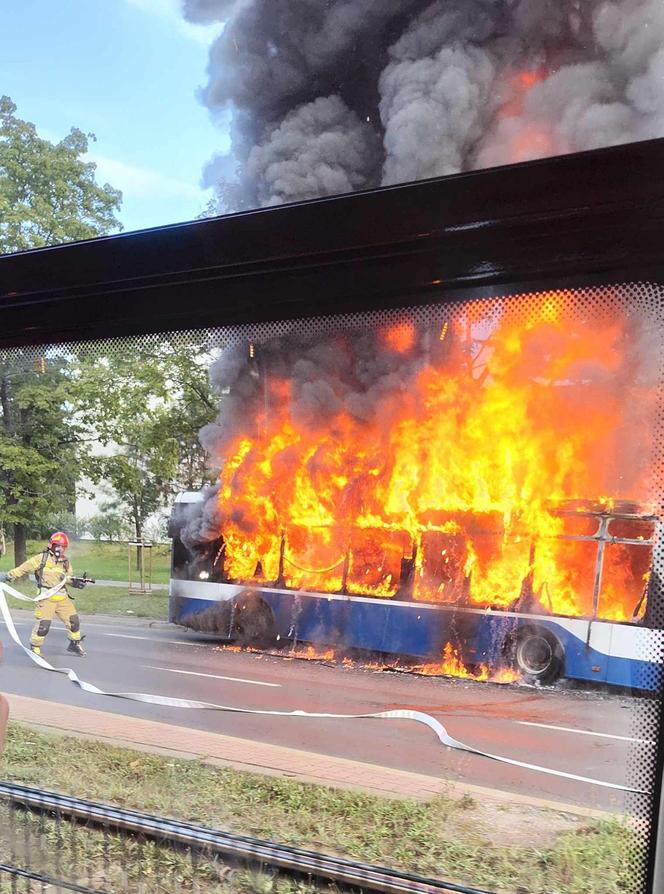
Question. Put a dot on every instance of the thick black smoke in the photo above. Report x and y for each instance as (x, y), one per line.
(312, 381)
(329, 96)
(356, 373)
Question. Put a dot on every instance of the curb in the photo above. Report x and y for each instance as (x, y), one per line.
(266, 759)
(23, 614)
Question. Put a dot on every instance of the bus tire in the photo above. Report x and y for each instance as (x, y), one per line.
(253, 622)
(538, 655)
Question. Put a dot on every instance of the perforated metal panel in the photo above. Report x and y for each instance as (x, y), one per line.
(642, 306)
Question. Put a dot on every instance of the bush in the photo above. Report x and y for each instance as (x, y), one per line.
(109, 524)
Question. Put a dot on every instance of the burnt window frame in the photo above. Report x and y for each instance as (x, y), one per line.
(592, 218)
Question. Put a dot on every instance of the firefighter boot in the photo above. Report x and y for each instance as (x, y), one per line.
(76, 648)
(35, 649)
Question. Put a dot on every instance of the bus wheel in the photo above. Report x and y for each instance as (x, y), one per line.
(253, 622)
(539, 656)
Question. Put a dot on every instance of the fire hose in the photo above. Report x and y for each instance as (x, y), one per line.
(167, 701)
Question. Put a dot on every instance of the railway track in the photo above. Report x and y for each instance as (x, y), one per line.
(236, 849)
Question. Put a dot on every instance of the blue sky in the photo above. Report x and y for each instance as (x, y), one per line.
(127, 71)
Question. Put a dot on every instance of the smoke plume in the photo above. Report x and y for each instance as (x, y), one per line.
(330, 96)
(354, 373)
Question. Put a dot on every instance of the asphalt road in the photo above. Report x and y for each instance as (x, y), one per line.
(585, 733)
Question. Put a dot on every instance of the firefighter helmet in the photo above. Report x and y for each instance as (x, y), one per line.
(59, 539)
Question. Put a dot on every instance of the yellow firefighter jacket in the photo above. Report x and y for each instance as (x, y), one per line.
(54, 571)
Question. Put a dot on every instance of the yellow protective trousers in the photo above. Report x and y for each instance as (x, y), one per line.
(52, 608)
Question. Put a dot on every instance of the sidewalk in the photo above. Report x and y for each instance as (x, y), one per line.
(257, 757)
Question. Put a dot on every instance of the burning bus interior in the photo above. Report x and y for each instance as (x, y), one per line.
(496, 454)
(608, 547)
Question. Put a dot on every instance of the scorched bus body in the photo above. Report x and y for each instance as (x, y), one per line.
(526, 637)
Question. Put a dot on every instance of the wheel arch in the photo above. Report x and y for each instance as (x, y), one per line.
(535, 629)
(253, 618)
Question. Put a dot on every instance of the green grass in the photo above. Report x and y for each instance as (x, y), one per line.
(106, 561)
(96, 600)
(69, 851)
(454, 839)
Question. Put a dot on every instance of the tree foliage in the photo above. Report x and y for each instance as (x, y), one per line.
(130, 420)
(48, 192)
(148, 407)
(127, 419)
(108, 524)
(39, 456)
(48, 195)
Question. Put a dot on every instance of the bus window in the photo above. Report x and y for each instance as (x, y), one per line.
(442, 576)
(632, 528)
(179, 559)
(624, 579)
(499, 569)
(626, 568)
(376, 556)
(205, 563)
(580, 525)
(566, 564)
(315, 558)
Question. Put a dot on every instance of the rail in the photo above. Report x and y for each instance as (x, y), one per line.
(203, 848)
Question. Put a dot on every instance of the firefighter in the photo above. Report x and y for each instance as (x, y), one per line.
(52, 568)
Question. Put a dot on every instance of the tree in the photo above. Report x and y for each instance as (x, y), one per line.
(48, 195)
(141, 477)
(191, 404)
(108, 524)
(59, 520)
(157, 529)
(148, 406)
(39, 461)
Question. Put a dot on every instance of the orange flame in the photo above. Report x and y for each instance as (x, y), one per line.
(311, 653)
(445, 492)
(505, 675)
(400, 337)
(452, 666)
(522, 137)
(517, 86)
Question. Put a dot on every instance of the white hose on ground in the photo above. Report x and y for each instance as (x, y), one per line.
(167, 701)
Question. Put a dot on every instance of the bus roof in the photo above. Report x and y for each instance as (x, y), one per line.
(189, 496)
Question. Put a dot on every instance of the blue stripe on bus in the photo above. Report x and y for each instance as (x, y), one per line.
(416, 631)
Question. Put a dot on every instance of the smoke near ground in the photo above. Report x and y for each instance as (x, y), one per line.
(331, 96)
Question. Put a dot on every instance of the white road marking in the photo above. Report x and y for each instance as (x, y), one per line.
(153, 639)
(582, 732)
(150, 639)
(173, 670)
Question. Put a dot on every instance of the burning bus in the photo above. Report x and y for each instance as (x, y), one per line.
(469, 484)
